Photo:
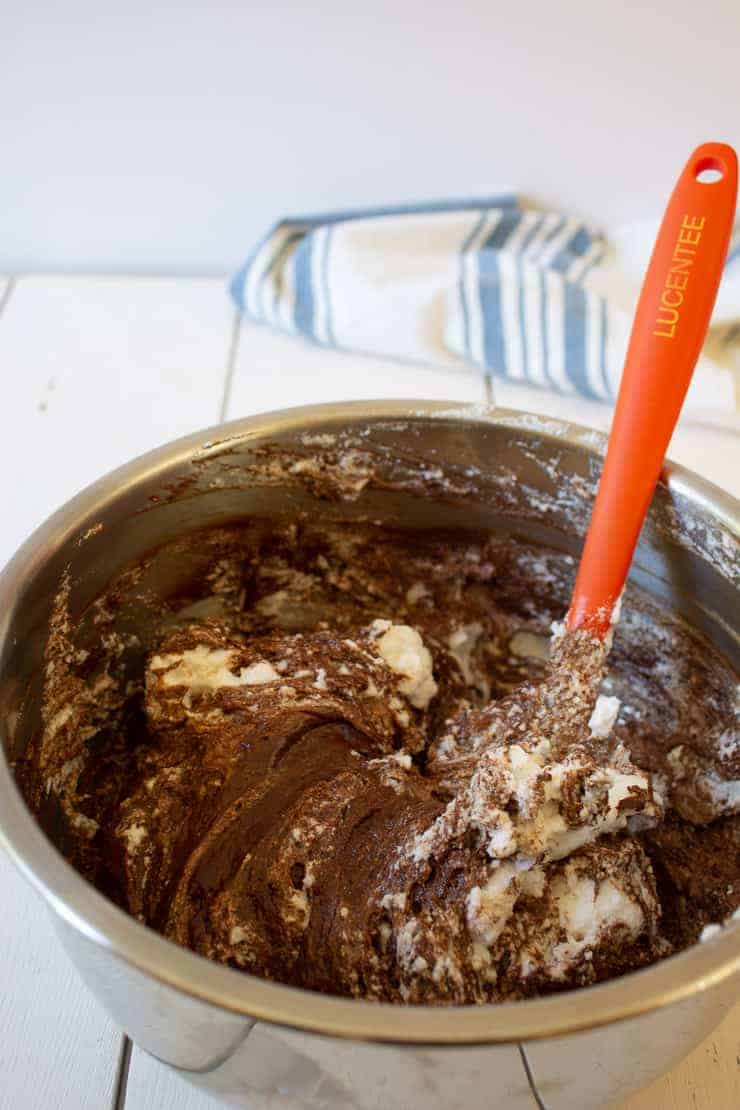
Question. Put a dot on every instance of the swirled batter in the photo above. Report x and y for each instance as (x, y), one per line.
(353, 768)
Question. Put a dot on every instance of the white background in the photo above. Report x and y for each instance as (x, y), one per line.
(164, 137)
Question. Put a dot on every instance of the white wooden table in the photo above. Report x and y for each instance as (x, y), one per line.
(95, 371)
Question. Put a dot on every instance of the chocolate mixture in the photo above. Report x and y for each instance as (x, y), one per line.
(348, 764)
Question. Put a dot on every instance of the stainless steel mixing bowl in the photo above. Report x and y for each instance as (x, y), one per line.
(241, 1037)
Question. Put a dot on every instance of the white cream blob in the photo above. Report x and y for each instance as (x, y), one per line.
(203, 668)
(604, 715)
(407, 655)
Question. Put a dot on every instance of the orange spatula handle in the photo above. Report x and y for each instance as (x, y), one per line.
(670, 324)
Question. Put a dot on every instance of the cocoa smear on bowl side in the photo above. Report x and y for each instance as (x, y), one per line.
(342, 760)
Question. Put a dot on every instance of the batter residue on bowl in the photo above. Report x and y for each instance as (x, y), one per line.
(346, 763)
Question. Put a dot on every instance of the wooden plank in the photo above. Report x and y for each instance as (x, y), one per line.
(5, 290)
(708, 1079)
(97, 370)
(275, 371)
(153, 1086)
(57, 1047)
(94, 371)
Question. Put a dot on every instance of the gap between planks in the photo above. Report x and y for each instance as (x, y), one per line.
(236, 329)
(6, 294)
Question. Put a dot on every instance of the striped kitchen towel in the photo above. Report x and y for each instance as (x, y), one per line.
(527, 295)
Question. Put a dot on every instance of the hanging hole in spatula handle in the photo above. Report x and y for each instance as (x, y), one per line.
(709, 169)
(669, 328)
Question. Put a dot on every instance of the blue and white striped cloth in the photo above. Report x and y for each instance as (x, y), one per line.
(514, 291)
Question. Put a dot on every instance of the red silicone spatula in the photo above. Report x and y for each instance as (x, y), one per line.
(671, 321)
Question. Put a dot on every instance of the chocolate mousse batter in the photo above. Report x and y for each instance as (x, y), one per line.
(345, 762)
